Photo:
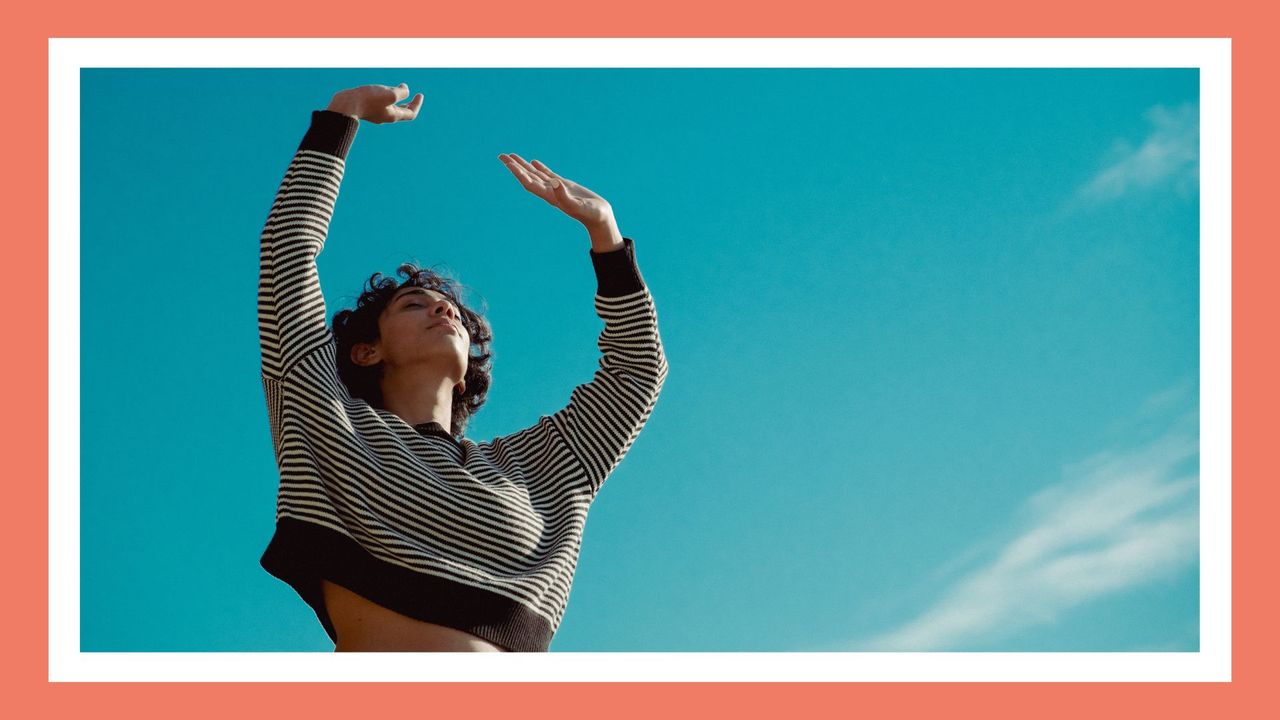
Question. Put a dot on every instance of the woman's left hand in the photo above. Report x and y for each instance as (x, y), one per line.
(568, 196)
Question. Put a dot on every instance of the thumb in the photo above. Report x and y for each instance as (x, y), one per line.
(566, 202)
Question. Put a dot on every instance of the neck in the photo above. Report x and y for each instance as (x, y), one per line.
(419, 397)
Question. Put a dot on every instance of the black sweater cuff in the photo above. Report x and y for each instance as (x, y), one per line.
(616, 271)
(330, 132)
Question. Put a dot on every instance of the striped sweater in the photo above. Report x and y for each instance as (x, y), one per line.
(478, 536)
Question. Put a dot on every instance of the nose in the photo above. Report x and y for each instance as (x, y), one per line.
(444, 307)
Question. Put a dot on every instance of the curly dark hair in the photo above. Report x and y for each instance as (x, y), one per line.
(360, 325)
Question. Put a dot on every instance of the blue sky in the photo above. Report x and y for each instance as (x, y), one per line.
(932, 334)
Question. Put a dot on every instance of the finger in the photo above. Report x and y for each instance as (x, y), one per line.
(568, 184)
(410, 111)
(531, 169)
(518, 170)
(535, 185)
(387, 95)
(543, 167)
(565, 182)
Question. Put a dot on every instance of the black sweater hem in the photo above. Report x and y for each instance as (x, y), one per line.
(302, 553)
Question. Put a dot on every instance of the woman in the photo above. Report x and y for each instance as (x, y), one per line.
(401, 533)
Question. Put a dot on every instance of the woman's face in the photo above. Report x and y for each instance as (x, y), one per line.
(422, 327)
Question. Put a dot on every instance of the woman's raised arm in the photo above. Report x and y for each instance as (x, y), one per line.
(291, 310)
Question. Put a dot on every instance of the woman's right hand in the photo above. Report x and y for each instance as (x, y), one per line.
(376, 103)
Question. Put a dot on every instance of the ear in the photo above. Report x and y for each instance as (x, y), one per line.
(365, 354)
(461, 387)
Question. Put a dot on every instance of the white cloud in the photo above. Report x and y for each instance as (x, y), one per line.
(1116, 521)
(1169, 154)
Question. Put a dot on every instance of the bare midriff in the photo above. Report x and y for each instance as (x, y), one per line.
(364, 626)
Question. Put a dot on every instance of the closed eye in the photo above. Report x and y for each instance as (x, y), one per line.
(457, 311)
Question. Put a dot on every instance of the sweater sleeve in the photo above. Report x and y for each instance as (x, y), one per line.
(604, 416)
(291, 310)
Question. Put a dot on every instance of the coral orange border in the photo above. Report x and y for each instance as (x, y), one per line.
(1254, 354)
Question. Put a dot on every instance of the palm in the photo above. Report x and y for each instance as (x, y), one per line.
(571, 198)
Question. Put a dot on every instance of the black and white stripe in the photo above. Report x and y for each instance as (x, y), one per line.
(483, 537)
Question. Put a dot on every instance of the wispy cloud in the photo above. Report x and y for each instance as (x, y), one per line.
(1169, 154)
(1117, 520)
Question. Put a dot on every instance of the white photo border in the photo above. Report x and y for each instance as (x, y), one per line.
(67, 56)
